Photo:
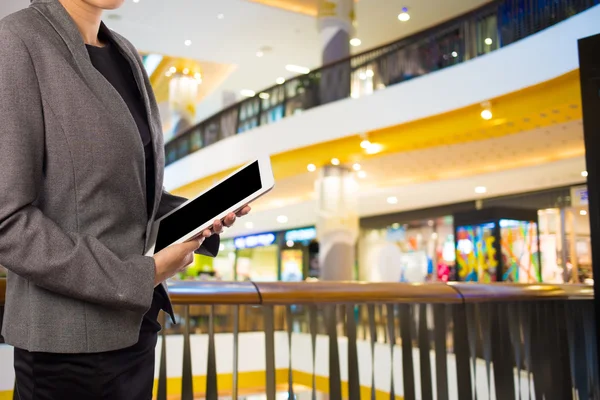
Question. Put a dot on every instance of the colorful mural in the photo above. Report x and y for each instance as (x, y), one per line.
(520, 252)
(476, 253)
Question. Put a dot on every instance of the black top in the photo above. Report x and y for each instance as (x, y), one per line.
(109, 61)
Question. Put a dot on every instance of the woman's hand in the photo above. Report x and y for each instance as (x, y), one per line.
(227, 222)
(174, 259)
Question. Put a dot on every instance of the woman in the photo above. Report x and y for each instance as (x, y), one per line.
(81, 174)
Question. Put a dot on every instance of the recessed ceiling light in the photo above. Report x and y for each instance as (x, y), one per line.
(188, 42)
(249, 225)
(136, 1)
(404, 15)
(280, 80)
(486, 114)
(362, 174)
(219, 16)
(374, 148)
(259, 54)
(297, 69)
(392, 200)
(335, 161)
(311, 167)
(480, 189)
(454, 54)
(290, 243)
(488, 41)
(584, 174)
(172, 70)
(356, 167)
(247, 93)
(264, 96)
(282, 219)
(355, 42)
(370, 73)
(583, 212)
(186, 71)
(365, 144)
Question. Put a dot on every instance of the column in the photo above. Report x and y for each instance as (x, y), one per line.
(335, 24)
(183, 96)
(337, 223)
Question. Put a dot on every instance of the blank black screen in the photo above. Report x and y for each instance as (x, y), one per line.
(208, 206)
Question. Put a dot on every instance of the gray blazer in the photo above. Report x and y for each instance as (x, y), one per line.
(73, 217)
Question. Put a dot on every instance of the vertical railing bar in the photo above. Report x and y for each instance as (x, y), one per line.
(312, 315)
(408, 372)
(441, 352)
(353, 374)
(212, 392)
(187, 388)
(462, 352)
(290, 321)
(236, 351)
(335, 379)
(424, 355)
(525, 322)
(392, 341)
(514, 329)
(373, 338)
(161, 393)
(485, 316)
(472, 338)
(269, 320)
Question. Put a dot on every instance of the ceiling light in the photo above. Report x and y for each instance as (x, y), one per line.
(259, 54)
(188, 42)
(583, 212)
(186, 71)
(362, 174)
(488, 41)
(362, 76)
(584, 174)
(264, 96)
(335, 161)
(486, 114)
(356, 167)
(247, 93)
(355, 42)
(404, 15)
(297, 69)
(220, 16)
(136, 1)
(374, 148)
(454, 54)
(311, 167)
(249, 225)
(282, 219)
(480, 189)
(290, 243)
(370, 73)
(365, 144)
(172, 70)
(280, 80)
(198, 77)
(168, 74)
(392, 200)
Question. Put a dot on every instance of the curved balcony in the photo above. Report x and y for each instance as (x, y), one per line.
(493, 26)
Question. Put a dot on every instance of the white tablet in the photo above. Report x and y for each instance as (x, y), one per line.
(229, 195)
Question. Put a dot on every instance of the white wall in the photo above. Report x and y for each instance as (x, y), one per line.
(536, 59)
(252, 358)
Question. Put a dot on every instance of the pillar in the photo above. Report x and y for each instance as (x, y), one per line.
(335, 24)
(183, 96)
(589, 72)
(337, 223)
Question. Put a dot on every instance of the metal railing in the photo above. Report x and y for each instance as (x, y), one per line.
(486, 29)
(528, 341)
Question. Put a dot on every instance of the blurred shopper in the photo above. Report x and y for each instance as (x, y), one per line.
(81, 175)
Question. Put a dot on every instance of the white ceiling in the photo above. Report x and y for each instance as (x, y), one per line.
(162, 26)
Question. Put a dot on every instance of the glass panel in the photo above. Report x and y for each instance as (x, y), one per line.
(475, 253)
(520, 253)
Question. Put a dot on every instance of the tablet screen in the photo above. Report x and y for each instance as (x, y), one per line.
(208, 206)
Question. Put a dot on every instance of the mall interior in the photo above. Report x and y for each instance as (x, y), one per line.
(429, 234)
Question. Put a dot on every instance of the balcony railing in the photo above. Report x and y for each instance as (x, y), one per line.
(486, 29)
(428, 341)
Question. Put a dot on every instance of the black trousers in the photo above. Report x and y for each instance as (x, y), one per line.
(126, 374)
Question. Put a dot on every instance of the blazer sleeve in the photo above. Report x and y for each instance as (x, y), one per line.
(32, 245)
(169, 202)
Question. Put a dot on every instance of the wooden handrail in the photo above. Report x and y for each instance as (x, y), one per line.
(283, 293)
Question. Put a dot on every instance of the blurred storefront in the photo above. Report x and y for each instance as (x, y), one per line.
(424, 241)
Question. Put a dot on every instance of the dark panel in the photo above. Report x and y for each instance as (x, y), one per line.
(461, 350)
(441, 351)
(406, 320)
